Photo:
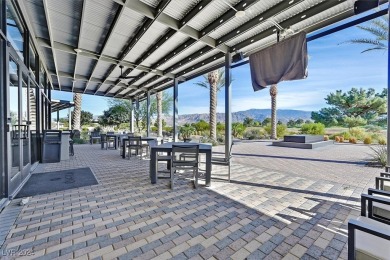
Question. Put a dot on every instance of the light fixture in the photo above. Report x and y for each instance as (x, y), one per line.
(78, 50)
(240, 13)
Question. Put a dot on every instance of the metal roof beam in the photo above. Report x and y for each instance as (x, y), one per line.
(79, 37)
(46, 8)
(140, 32)
(303, 15)
(197, 36)
(108, 37)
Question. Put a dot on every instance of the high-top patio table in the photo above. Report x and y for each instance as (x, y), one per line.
(117, 139)
(167, 148)
(126, 139)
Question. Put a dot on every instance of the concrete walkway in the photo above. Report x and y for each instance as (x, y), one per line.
(269, 212)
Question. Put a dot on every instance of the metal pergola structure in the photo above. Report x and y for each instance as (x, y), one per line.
(162, 42)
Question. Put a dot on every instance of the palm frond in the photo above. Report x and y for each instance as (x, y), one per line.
(374, 49)
(376, 30)
(369, 41)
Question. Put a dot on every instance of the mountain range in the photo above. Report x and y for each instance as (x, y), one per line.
(283, 115)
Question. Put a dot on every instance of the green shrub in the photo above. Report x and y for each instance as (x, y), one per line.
(79, 141)
(313, 129)
(209, 140)
(379, 154)
(346, 135)
(154, 128)
(281, 130)
(382, 141)
(373, 128)
(238, 129)
(358, 132)
(252, 134)
(367, 140)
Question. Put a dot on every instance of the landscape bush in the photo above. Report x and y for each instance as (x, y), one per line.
(313, 129)
(373, 128)
(358, 132)
(352, 140)
(379, 155)
(346, 135)
(281, 130)
(79, 141)
(326, 138)
(382, 141)
(337, 138)
(238, 129)
(341, 139)
(367, 140)
(253, 134)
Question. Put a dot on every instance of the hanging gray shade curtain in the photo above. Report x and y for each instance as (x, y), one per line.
(286, 60)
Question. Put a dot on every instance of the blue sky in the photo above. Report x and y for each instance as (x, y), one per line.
(332, 66)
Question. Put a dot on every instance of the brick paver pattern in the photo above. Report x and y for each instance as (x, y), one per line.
(270, 210)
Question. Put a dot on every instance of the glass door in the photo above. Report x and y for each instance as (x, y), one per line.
(19, 123)
(14, 110)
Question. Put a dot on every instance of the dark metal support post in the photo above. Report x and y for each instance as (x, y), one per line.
(137, 109)
(175, 109)
(58, 119)
(132, 117)
(148, 114)
(228, 105)
(388, 100)
(69, 119)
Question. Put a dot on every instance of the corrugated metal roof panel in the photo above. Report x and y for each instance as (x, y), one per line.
(115, 45)
(66, 82)
(192, 72)
(296, 9)
(49, 61)
(197, 46)
(152, 3)
(343, 7)
(176, 40)
(149, 38)
(80, 84)
(129, 22)
(192, 63)
(85, 65)
(36, 14)
(179, 8)
(90, 38)
(97, 21)
(65, 61)
(101, 69)
(93, 86)
(235, 22)
(68, 8)
(211, 12)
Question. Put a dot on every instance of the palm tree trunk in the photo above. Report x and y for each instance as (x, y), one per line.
(213, 112)
(77, 99)
(159, 113)
(273, 92)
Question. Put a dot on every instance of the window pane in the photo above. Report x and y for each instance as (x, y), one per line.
(14, 29)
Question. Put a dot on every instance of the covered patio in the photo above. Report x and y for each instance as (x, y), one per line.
(132, 49)
(261, 214)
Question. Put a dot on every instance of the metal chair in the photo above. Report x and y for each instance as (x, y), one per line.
(178, 163)
(134, 144)
(369, 235)
(95, 135)
(224, 161)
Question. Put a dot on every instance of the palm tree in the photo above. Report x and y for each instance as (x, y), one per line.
(273, 91)
(379, 28)
(159, 113)
(77, 99)
(214, 81)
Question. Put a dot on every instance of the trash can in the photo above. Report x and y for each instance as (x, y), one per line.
(51, 151)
